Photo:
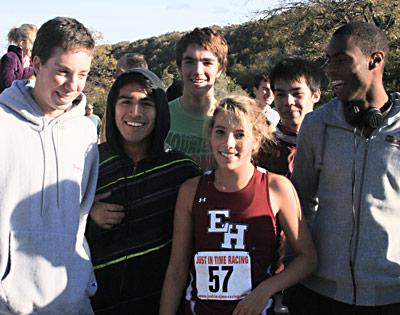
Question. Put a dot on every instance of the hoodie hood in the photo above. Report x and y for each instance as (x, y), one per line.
(20, 100)
(162, 122)
(17, 50)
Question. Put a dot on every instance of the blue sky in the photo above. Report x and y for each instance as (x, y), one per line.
(129, 20)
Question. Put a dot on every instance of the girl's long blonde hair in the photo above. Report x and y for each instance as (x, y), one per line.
(25, 31)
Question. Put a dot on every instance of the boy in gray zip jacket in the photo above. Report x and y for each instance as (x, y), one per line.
(347, 174)
(48, 171)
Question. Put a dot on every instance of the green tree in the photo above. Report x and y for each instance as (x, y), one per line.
(100, 77)
(304, 27)
(301, 28)
(225, 86)
(170, 74)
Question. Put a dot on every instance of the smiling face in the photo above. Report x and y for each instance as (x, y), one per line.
(199, 70)
(89, 109)
(293, 101)
(26, 45)
(232, 141)
(348, 69)
(135, 115)
(60, 80)
(263, 93)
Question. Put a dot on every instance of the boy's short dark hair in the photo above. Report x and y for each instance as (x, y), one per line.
(260, 77)
(135, 60)
(208, 38)
(294, 68)
(367, 36)
(61, 32)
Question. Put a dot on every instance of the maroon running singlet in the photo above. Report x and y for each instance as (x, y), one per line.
(236, 237)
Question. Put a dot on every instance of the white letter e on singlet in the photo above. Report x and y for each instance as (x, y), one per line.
(216, 226)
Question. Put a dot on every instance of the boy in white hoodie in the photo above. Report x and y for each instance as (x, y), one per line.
(48, 166)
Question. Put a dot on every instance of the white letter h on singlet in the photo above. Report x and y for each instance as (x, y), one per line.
(237, 235)
(233, 233)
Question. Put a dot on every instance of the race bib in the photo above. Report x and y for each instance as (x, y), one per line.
(222, 275)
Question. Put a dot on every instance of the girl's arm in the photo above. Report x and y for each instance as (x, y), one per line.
(286, 206)
(181, 253)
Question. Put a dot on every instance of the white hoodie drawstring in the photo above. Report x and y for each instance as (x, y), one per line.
(55, 146)
(41, 134)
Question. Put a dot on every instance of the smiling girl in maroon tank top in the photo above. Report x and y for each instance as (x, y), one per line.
(228, 221)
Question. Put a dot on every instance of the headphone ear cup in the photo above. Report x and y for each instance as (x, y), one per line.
(373, 117)
(352, 114)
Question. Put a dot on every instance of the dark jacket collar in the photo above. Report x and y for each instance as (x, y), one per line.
(15, 49)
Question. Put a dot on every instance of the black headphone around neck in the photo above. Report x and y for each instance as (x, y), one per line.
(371, 117)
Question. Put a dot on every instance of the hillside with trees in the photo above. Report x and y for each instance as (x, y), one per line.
(301, 28)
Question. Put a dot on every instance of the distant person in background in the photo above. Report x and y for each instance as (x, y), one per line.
(93, 117)
(16, 64)
(201, 57)
(128, 61)
(265, 97)
(296, 85)
(125, 62)
(175, 90)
